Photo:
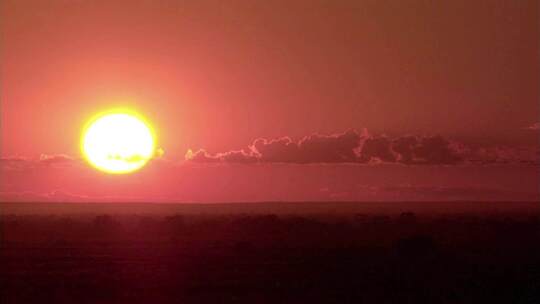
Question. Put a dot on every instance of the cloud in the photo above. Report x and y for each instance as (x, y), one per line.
(434, 150)
(377, 148)
(61, 196)
(200, 156)
(54, 161)
(30, 196)
(281, 150)
(404, 148)
(503, 154)
(410, 150)
(14, 163)
(337, 148)
(55, 158)
(316, 148)
(240, 156)
(534, 127)
(22, 163)
(347, 147)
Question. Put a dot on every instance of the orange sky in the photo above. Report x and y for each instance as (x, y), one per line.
(216, 76)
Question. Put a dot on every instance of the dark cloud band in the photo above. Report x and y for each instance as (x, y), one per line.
(348, 147)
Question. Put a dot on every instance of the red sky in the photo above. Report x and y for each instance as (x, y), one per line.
(217, 75)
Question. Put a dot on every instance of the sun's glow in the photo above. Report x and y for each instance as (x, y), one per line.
(118, 142)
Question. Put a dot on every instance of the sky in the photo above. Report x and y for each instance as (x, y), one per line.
(326, 95)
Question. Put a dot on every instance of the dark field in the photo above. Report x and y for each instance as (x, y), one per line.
(271, 253)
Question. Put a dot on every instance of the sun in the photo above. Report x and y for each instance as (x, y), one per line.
(118, 142)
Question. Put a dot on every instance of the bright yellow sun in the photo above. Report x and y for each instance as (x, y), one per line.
(118, 142)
